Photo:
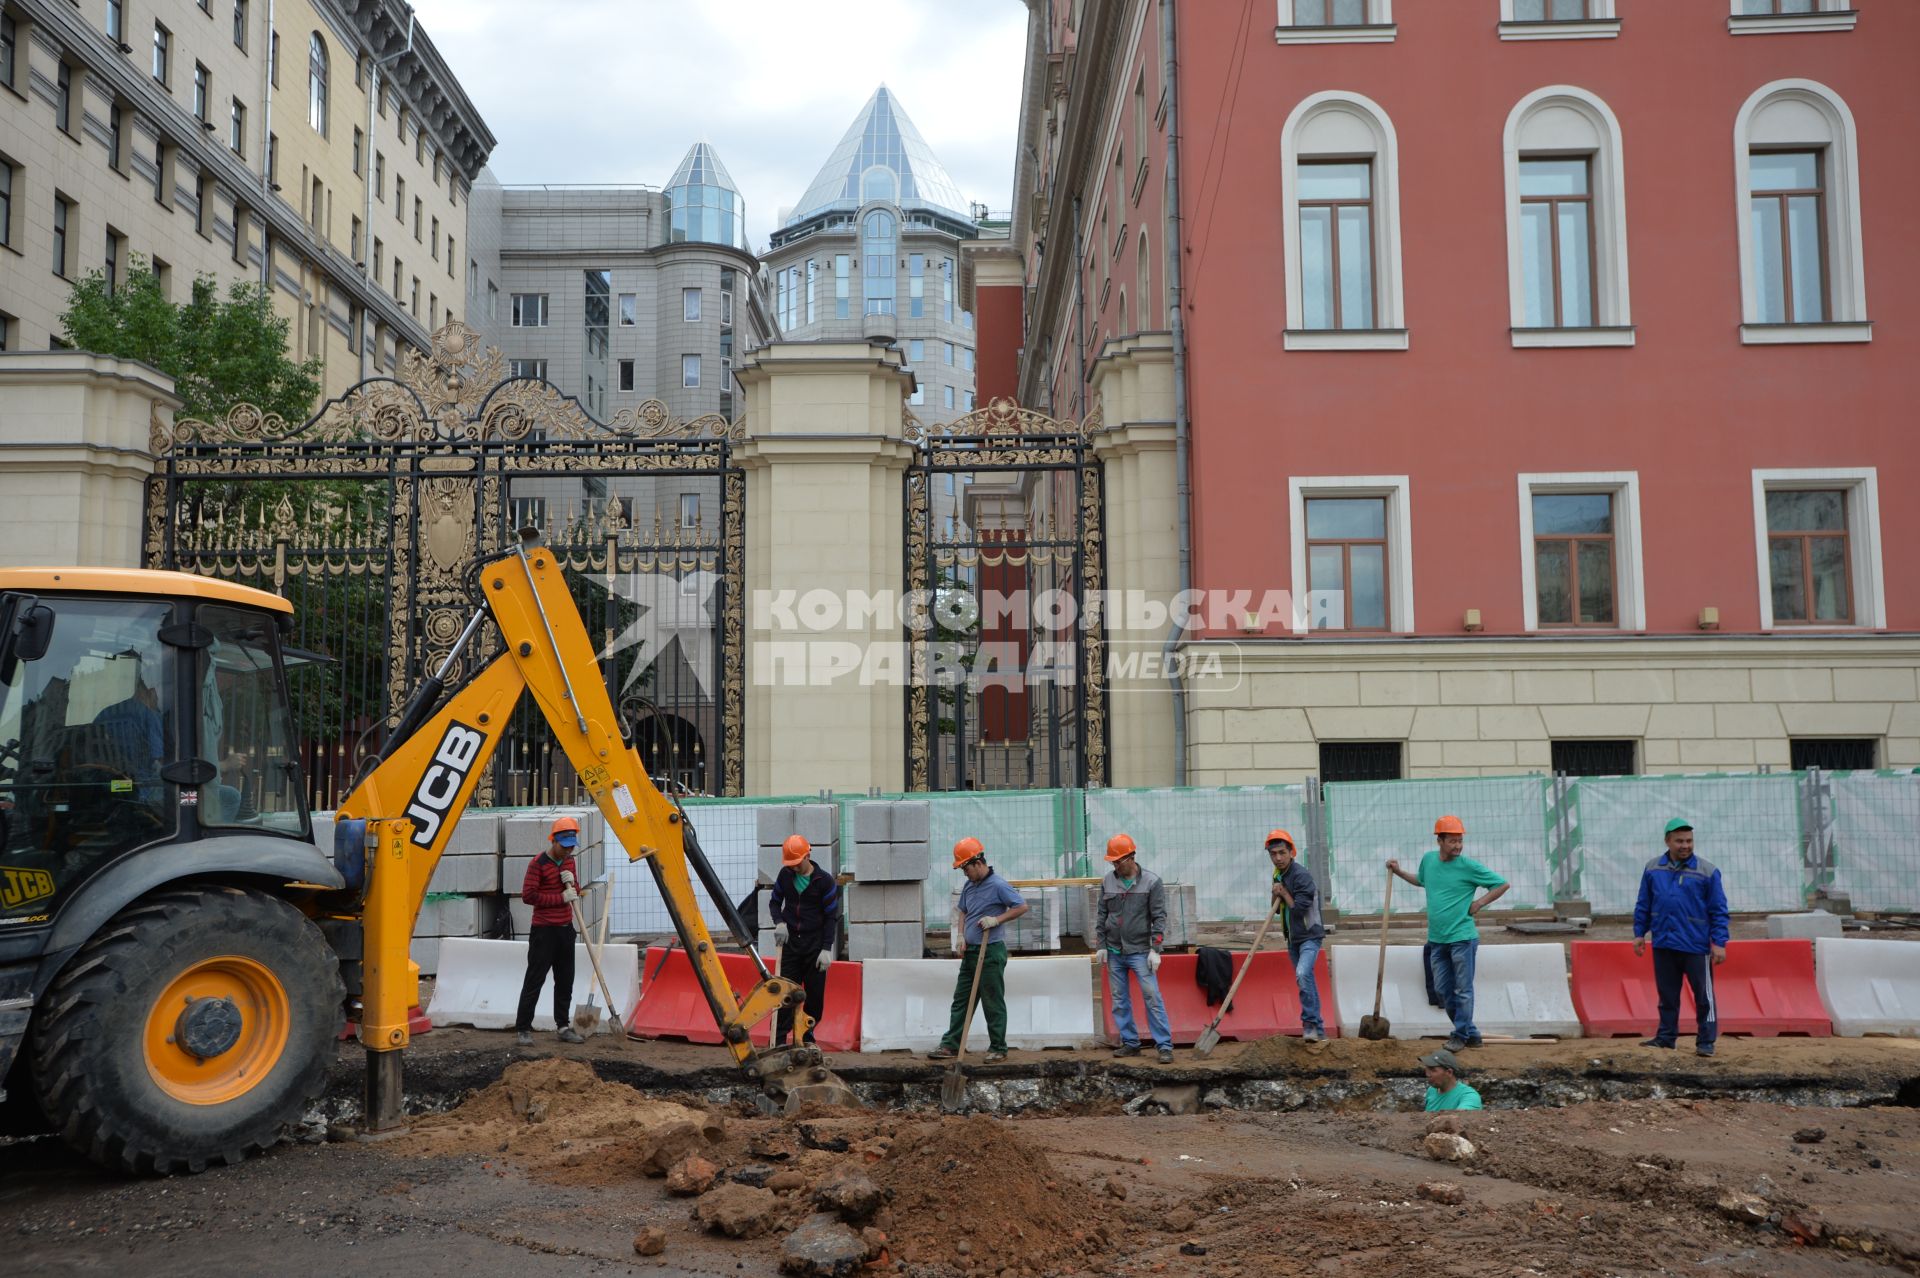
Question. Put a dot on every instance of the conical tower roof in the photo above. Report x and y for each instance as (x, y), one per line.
(702, 167)
(882, 136)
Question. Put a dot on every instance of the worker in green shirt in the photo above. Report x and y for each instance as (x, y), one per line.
(1452, 939)
(1444, 1088)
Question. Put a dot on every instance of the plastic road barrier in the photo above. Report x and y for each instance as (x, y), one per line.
(672, 1004)
(1522, 990)
(1267, 1003)
(1765, 989)
(479, 983)
(1869, 987)
(906, 1003)
(1403, 999)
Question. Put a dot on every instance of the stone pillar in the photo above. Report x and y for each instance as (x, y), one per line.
(825, 467)
(75, 454)
(1133, 378)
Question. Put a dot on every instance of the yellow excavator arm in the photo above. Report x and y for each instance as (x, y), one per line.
(427, 773)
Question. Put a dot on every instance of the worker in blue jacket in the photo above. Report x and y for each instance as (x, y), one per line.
(1683, 907)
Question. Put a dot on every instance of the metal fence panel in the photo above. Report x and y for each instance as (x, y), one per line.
(1370, 821)
(1749, 826)
(1876, 852)
(1211, 838)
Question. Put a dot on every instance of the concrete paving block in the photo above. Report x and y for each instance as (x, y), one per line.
(912, 821)
(476, 834)
(425, 950)
(903, 940)
(872, 823)
(1812, 923)
(767, 866)
(467, 874)
(883, 903)
(773, 823)
(866, 941)
(819, 822)
(891, 863)
(451, 916)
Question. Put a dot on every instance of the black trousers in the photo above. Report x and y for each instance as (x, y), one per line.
(1669, 966)
(549, 950)
(801, 966)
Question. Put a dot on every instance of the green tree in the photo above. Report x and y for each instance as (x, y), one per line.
(219, 352)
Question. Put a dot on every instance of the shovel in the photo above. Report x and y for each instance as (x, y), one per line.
(1377, 1026)
(1210, 1037)
(587, 1019)
(953, 1088)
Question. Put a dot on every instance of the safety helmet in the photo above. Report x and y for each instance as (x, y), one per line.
(966, 850)
(1449, 825)
(1280, 836)
(565, 831)
(1120, 847)
(795, 850)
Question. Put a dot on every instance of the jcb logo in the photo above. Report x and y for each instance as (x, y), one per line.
(24, 887)
(441, 784)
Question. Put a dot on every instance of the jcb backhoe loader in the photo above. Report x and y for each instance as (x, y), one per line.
(176, 956)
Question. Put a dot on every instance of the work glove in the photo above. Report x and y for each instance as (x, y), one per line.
(989, 923)
(568, 894)
(1153, 961)
(1099, 957)
(824, 960)
(780, 934)
(566, 877)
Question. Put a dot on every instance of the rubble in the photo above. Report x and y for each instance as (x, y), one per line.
(850, 1195)
(823, 1247)
(1739, 1205)
(1445, 1147)
(691, 1176)
(1442, 1191)
(650, 1241)
(738, 1211)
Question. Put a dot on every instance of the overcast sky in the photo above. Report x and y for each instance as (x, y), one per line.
(615, 91)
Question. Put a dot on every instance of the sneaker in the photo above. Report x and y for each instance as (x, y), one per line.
(1703, 1051)
(1313, 1036)
(993, 1058)
(1455, 1044)
(568, 1034)
(524, 1038)
(1654, 1042)
(1166, 1056)
(941, 1053)
(1127, 1049)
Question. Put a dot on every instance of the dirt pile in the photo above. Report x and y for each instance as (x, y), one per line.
(560, 1120)
(970, 1189)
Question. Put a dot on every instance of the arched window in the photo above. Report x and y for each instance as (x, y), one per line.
(879, 284)
(1797, 173)
(878, 183)
(1566, 221)
(1122, 327)
(317, 83)
(1340, 208)
(1143, 288)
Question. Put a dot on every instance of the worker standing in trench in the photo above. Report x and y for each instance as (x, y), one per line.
(987, 902)
(805, 908)
(1449, 879)
(1129, 929)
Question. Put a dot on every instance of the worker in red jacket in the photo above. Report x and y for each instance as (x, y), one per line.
(551, 887)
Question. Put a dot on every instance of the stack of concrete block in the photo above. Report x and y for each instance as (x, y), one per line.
(1183, 914)
(886, 916)
(818, 824)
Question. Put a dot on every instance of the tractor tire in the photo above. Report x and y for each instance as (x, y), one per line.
(192, 1031)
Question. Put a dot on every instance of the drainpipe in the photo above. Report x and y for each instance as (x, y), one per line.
(1079, 314)
(269, 152)
(1169, 78)
(366, 176)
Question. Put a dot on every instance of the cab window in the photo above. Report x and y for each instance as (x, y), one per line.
(244, 728)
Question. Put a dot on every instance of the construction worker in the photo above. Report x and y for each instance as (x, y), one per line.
(1449, 879)
(1299, 898)
(805, 909)
(551, 887)
(1130, 925)
(987, 902)
(1445, 1090)
(1683, 906)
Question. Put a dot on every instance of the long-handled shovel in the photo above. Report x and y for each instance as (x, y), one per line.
(1377, 1026)
(953, 1088)
(1210, 1037)
(587, 1019)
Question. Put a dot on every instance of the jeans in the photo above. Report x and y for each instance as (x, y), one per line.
(549, 949)
(1118, 965)
(1304, 954)
(803, 967)
(993, 996)
(1451, 966)
(1669, 966)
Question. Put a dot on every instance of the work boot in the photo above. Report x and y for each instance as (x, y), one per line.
(1455, 1044)
(941, 1053)
(1654, 1042)
(524, 1038)
(568, 1034)
(1313, 1036)
(1704, 1049)
(1126, 1049)
(1166, 1056)
(994, 1057)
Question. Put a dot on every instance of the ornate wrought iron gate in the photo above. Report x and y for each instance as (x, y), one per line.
(1004, 510)
(372, 517)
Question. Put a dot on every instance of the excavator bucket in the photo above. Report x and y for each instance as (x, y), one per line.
(796, 1077)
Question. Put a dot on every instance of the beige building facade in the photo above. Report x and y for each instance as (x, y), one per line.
(321, 147)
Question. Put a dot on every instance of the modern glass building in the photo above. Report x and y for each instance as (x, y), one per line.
(704, 205)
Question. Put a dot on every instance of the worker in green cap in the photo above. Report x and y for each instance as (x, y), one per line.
(1683, 907)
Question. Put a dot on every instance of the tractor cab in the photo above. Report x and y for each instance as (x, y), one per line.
(136, 709)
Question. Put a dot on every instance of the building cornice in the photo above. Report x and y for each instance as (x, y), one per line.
(432, 91)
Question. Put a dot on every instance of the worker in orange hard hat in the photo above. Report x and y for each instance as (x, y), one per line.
(987, 903)
(1129, 926)
(551, 887)
(805, 909)
(1297, 897)
(1453, 940)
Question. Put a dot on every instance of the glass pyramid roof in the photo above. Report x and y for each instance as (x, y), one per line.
(882, 135)
(702, 167)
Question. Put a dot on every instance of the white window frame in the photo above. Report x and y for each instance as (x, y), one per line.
(1389, 277)
(1601, 23)
(1846, 255)
(1398, 490)
(1612, 300)
(690, 372)
(1629, 568)
(514, 315)
(1378, 28)
(1862, 486)
(690, 305)
(1828, 15)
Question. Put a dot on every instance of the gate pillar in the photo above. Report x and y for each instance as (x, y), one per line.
(78, 433)
(825, 461)
(1134, 381)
